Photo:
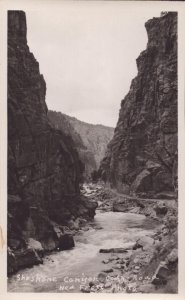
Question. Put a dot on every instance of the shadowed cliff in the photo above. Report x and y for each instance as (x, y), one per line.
(44, 169)
(142, 156)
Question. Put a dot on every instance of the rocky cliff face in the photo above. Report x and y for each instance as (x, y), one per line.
(142, 156)
(94, 137)
(44, 169)
(90, 140)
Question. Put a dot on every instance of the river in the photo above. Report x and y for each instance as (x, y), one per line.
(66, 271)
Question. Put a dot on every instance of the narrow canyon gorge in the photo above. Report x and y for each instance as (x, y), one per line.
(90, 208)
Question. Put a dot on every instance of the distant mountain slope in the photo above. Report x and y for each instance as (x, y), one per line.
(90, 140)
(94, 137)
(61, 122)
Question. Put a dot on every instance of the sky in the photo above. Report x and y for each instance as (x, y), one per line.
(87, 54)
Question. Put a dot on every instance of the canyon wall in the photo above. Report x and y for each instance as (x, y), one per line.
(94, 137)
(90, 140)
(142, 156)
(44, 169)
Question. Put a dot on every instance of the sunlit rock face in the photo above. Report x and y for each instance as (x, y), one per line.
(90, 140)
(44, 169)
(142, 156)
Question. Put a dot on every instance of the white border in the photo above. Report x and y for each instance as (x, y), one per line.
(53, 4)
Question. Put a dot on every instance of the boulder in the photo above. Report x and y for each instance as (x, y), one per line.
(97, 227)
(118, 267)
(102, 277)
(49, 243)
(144, 242)
(105, 261)
(74, 225)
(21, 259)
(108, 270)
(90, 206)
(172, 258)
(66, 242)
(91, 283)
(149, 211)
(36, 245)
(161, 208)
(114, 250)
(108, 285)
(120, 207)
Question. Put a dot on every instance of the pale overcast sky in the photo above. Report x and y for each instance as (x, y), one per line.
(87, 54)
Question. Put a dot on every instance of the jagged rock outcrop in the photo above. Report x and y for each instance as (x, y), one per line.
(90, 140)
(142, 156)
(44, 169)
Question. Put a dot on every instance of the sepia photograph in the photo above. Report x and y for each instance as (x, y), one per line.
(92, 149)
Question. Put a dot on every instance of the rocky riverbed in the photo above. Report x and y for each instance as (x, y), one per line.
(127, 252)
(150, 265)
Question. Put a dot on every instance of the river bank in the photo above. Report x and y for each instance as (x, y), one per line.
(31, 246)
(150, 266)
(127, 252)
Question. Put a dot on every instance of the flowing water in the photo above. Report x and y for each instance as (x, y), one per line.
(66, 271)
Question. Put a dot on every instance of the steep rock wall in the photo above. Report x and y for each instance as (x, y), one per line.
(44, 169)
(142, 156)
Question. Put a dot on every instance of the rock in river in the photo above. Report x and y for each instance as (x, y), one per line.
(114, 250)
(66, 242)
(120, 207)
